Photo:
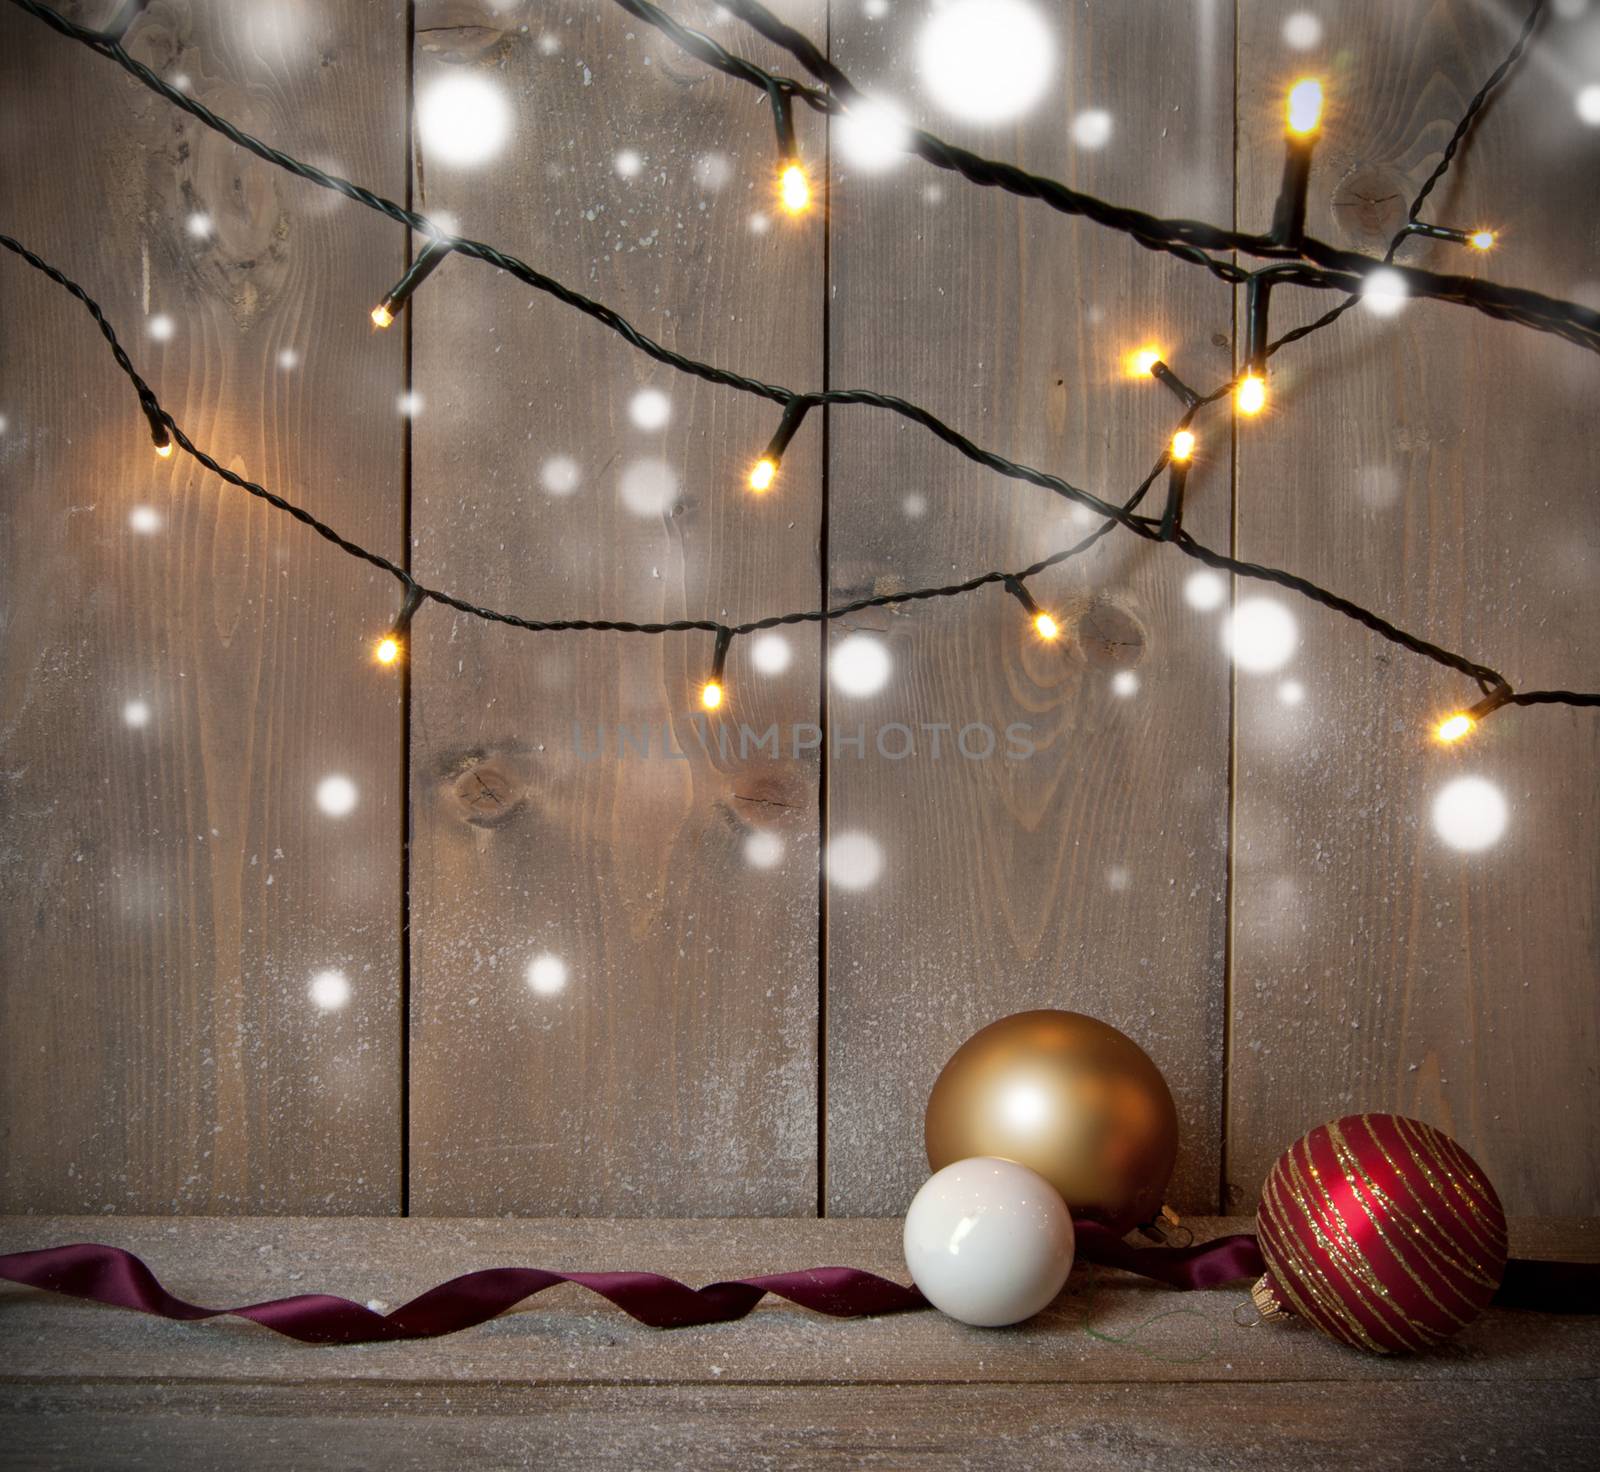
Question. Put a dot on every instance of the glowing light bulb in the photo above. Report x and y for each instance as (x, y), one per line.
(165, 451)
(1251, 396)
(711, 695)
(1048, 628)
(1305, 107)
(1183, 444)
(794, 189)
(763, 473)
(381, 316)
(1455, 727)
(1481, 240)
(1142, 361)
(388, 650)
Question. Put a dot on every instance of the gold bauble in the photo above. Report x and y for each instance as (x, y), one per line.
(1069, 1097)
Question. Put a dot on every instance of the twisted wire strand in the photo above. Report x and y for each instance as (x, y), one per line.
(521, 270)
(1331, 269)
(1115, 515)
(1340, 270)
(1480, 99)
(152, 406)
(1488, 678)
(596, 310)
(1463, 126)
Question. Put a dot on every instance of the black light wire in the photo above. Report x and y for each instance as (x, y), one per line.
(1332, 268)
(1496, 687)
(416, 592)
(1413, 225)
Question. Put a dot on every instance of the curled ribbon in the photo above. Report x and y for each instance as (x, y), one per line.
(116, 1277)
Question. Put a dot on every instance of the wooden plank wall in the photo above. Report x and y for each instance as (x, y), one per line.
(183, 669)
(674, 1070)
(1442, 467)
(1090, 875)
(625, 989)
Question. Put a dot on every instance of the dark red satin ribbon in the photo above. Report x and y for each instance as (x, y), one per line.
(112, 1276)
(1550, 1287)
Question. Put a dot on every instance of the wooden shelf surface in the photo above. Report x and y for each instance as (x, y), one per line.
(1118, 1373)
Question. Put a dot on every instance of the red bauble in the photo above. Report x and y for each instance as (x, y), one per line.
(1381, 1231)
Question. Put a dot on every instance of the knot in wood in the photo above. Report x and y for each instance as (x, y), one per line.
(1110, 636)
(1369, 206)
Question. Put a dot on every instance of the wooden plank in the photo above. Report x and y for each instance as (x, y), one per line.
(1115, 1428)
(669, 1064)
(1438, 467)
(1092, 875)
(1108, 1328)
(182, 667)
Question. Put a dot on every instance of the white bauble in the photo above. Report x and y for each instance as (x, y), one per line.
(989, 1241)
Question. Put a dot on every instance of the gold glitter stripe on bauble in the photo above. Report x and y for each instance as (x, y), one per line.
(1345, 1256)
(1457, 1167)
(1303, 1183)
(1438, 1247)
(1343, 1206)
(1440, 1242)
(1328, 1224)
(1344, 1243)
(1395, 1214)
(1422, 1141)
(1433, 1250)
(1477, 1239)
(1302, 1280)
(1328, 1307)
(1367, 1288)
(1357, 1172)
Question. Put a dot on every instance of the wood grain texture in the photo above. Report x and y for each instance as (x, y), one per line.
(1107, 1328)
(1117, 1374)
(170, 886)
(1092, 875)
(178, 679)
(674, 1071)
(1440, 468)
(1102, 1428)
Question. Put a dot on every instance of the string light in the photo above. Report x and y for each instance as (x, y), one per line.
(1463, 723)
(765, 470)
(1251, 395)
(1180, 452)
(1324, 267)
(395, 299)
(1479, 239)
(794, 189)
(160, 436)
(1044, 624)
(1304, 118)
(1142, 361)
(1305, 107)
(712, 693)
(392, 646)
(1318, 266)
